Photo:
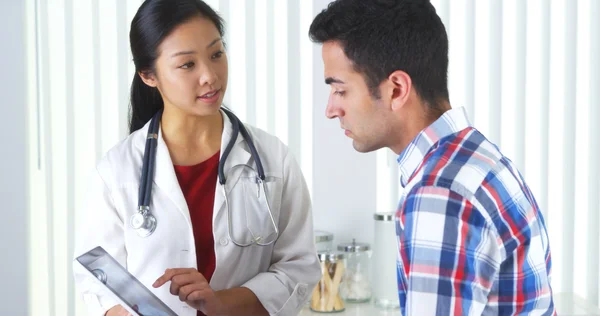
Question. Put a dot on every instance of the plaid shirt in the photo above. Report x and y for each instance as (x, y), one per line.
(471, 237)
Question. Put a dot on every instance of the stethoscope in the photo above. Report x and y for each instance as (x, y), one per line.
(144, 223)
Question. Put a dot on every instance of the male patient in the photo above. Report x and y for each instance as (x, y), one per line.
(471, 236)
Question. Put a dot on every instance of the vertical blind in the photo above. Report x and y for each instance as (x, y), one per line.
(526, 71)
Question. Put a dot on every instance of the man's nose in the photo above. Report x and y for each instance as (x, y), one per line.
(333, 110)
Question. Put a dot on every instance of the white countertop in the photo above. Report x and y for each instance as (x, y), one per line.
(356, 309)
(566, 304)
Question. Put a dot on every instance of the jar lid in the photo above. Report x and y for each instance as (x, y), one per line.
(323, 236)
(331, 256)
(385, 216)
(354, 246)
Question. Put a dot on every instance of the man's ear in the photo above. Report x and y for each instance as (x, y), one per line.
(148, 78)
(400, 85)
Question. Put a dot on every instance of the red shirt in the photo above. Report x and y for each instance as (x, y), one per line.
(198, 184)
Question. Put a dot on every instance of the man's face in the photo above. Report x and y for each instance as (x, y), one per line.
(363, 117)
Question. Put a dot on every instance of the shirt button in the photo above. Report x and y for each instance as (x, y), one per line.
(224, 241)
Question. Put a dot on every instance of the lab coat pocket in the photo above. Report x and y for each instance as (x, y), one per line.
(254, 208)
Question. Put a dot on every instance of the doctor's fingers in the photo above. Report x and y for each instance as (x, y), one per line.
(200, 291)
(181, 280)
(201, 295)
(170, 273)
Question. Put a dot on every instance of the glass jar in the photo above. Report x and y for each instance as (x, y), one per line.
(385, 249)
(326, 296)
(356, 287)
(323, 240)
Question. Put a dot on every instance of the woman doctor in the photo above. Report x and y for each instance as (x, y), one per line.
(191, 259)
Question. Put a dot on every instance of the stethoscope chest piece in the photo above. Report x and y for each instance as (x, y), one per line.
(143, 222)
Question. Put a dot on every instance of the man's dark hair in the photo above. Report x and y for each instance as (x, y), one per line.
(382, 36)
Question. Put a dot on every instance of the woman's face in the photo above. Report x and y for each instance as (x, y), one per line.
(191, 68)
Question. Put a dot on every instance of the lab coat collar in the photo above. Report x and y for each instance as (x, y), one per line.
(164, 174)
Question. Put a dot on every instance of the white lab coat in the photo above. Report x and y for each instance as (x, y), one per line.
(282, 275)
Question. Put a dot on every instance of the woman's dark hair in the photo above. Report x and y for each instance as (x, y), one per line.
(382, 36)
(154, 20)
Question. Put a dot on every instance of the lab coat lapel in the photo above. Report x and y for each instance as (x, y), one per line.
(166, 179)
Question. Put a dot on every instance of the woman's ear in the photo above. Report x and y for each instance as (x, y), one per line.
(148, 78)
(400, 87)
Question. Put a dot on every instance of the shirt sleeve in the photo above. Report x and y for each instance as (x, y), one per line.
(449, 254)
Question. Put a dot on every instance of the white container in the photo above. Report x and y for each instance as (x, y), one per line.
(385, 249)
(357, 284)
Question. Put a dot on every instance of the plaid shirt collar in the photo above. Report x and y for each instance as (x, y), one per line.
(451, 122)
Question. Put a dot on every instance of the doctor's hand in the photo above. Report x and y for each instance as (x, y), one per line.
(193, 289)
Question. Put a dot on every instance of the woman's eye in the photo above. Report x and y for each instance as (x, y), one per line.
(217, 55)
(187, 65)
(340, 93)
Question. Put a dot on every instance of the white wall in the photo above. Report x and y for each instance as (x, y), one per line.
(13, 235)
